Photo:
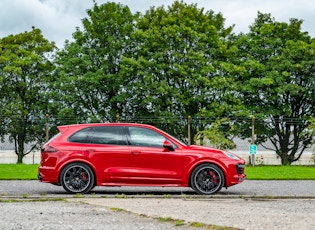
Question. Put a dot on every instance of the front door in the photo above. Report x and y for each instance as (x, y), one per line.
(151, 163)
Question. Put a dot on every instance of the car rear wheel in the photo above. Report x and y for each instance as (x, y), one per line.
(77, 178)
(207, 179)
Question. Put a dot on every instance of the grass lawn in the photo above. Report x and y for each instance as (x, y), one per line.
(18, 171)
(266, 172)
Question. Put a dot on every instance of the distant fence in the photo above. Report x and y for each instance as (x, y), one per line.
(9, 157)
(261, 158)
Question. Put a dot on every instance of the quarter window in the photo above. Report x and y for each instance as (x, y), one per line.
(82, 136)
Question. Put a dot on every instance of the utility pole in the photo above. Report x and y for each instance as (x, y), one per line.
(47, 127)
(253, 146)
(189, 137)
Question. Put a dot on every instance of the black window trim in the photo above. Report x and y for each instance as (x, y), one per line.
(91, 133)
(129, 137)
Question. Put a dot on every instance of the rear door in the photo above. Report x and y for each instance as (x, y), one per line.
(108, 151)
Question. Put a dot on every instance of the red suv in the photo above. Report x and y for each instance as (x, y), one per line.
(83, 156)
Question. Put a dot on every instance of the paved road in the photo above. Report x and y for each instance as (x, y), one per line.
(251, 205)
(290, 188)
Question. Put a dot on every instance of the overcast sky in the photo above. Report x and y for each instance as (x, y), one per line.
(57, 19)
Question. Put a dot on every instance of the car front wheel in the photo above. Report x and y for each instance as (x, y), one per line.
(77, 178)
(207, 179)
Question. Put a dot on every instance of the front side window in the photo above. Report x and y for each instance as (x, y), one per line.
(145, 137)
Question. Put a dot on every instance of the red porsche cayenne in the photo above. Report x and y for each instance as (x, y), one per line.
(83, 156)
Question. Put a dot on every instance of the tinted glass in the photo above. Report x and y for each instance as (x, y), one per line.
(82, 136)
(110, 135)
(145, 137)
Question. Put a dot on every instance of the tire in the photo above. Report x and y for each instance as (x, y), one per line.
(77, 178)
(207, 179)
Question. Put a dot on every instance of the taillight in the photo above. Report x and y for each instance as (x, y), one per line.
(49, 149)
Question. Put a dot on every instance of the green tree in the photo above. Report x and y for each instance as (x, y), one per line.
(88, 69)
(178, 65)
(218, 135)
(25, 74)
(277, 83)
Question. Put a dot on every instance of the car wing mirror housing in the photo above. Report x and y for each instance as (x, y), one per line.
(168, 145)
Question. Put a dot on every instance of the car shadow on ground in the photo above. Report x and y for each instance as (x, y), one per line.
(139, 191)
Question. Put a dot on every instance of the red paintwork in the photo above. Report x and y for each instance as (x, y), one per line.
(116, 165)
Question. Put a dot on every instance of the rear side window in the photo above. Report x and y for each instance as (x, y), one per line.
(110, 135)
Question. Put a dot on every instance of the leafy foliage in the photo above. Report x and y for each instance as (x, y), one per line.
(161, 64)
(175, 68)
(219, 134)
(278, 84)
(25, 73)
(89, 80)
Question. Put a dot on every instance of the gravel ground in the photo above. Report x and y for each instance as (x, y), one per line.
(144, 213)
(238, 213)
(249, 205)
(68, 215)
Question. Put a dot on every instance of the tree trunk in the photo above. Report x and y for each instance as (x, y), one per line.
(19, 148)
(285, 159)
(20, 158)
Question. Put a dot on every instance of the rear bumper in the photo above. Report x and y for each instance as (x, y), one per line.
(40, 177)
(48, 175)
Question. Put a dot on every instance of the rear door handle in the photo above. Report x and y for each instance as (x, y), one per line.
(135, 152)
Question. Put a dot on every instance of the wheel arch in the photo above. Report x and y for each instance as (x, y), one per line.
(77, 161)
(207, 162)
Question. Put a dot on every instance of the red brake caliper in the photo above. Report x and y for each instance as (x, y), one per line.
(83, 176)
(215, 180)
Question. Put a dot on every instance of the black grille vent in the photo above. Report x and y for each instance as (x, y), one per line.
(240, 169)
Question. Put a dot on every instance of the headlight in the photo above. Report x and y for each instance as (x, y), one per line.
(231, 155)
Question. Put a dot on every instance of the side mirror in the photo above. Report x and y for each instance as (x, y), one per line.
(168, 145)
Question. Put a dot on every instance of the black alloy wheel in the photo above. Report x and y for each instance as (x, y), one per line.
(207, 179)
(77, 178)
